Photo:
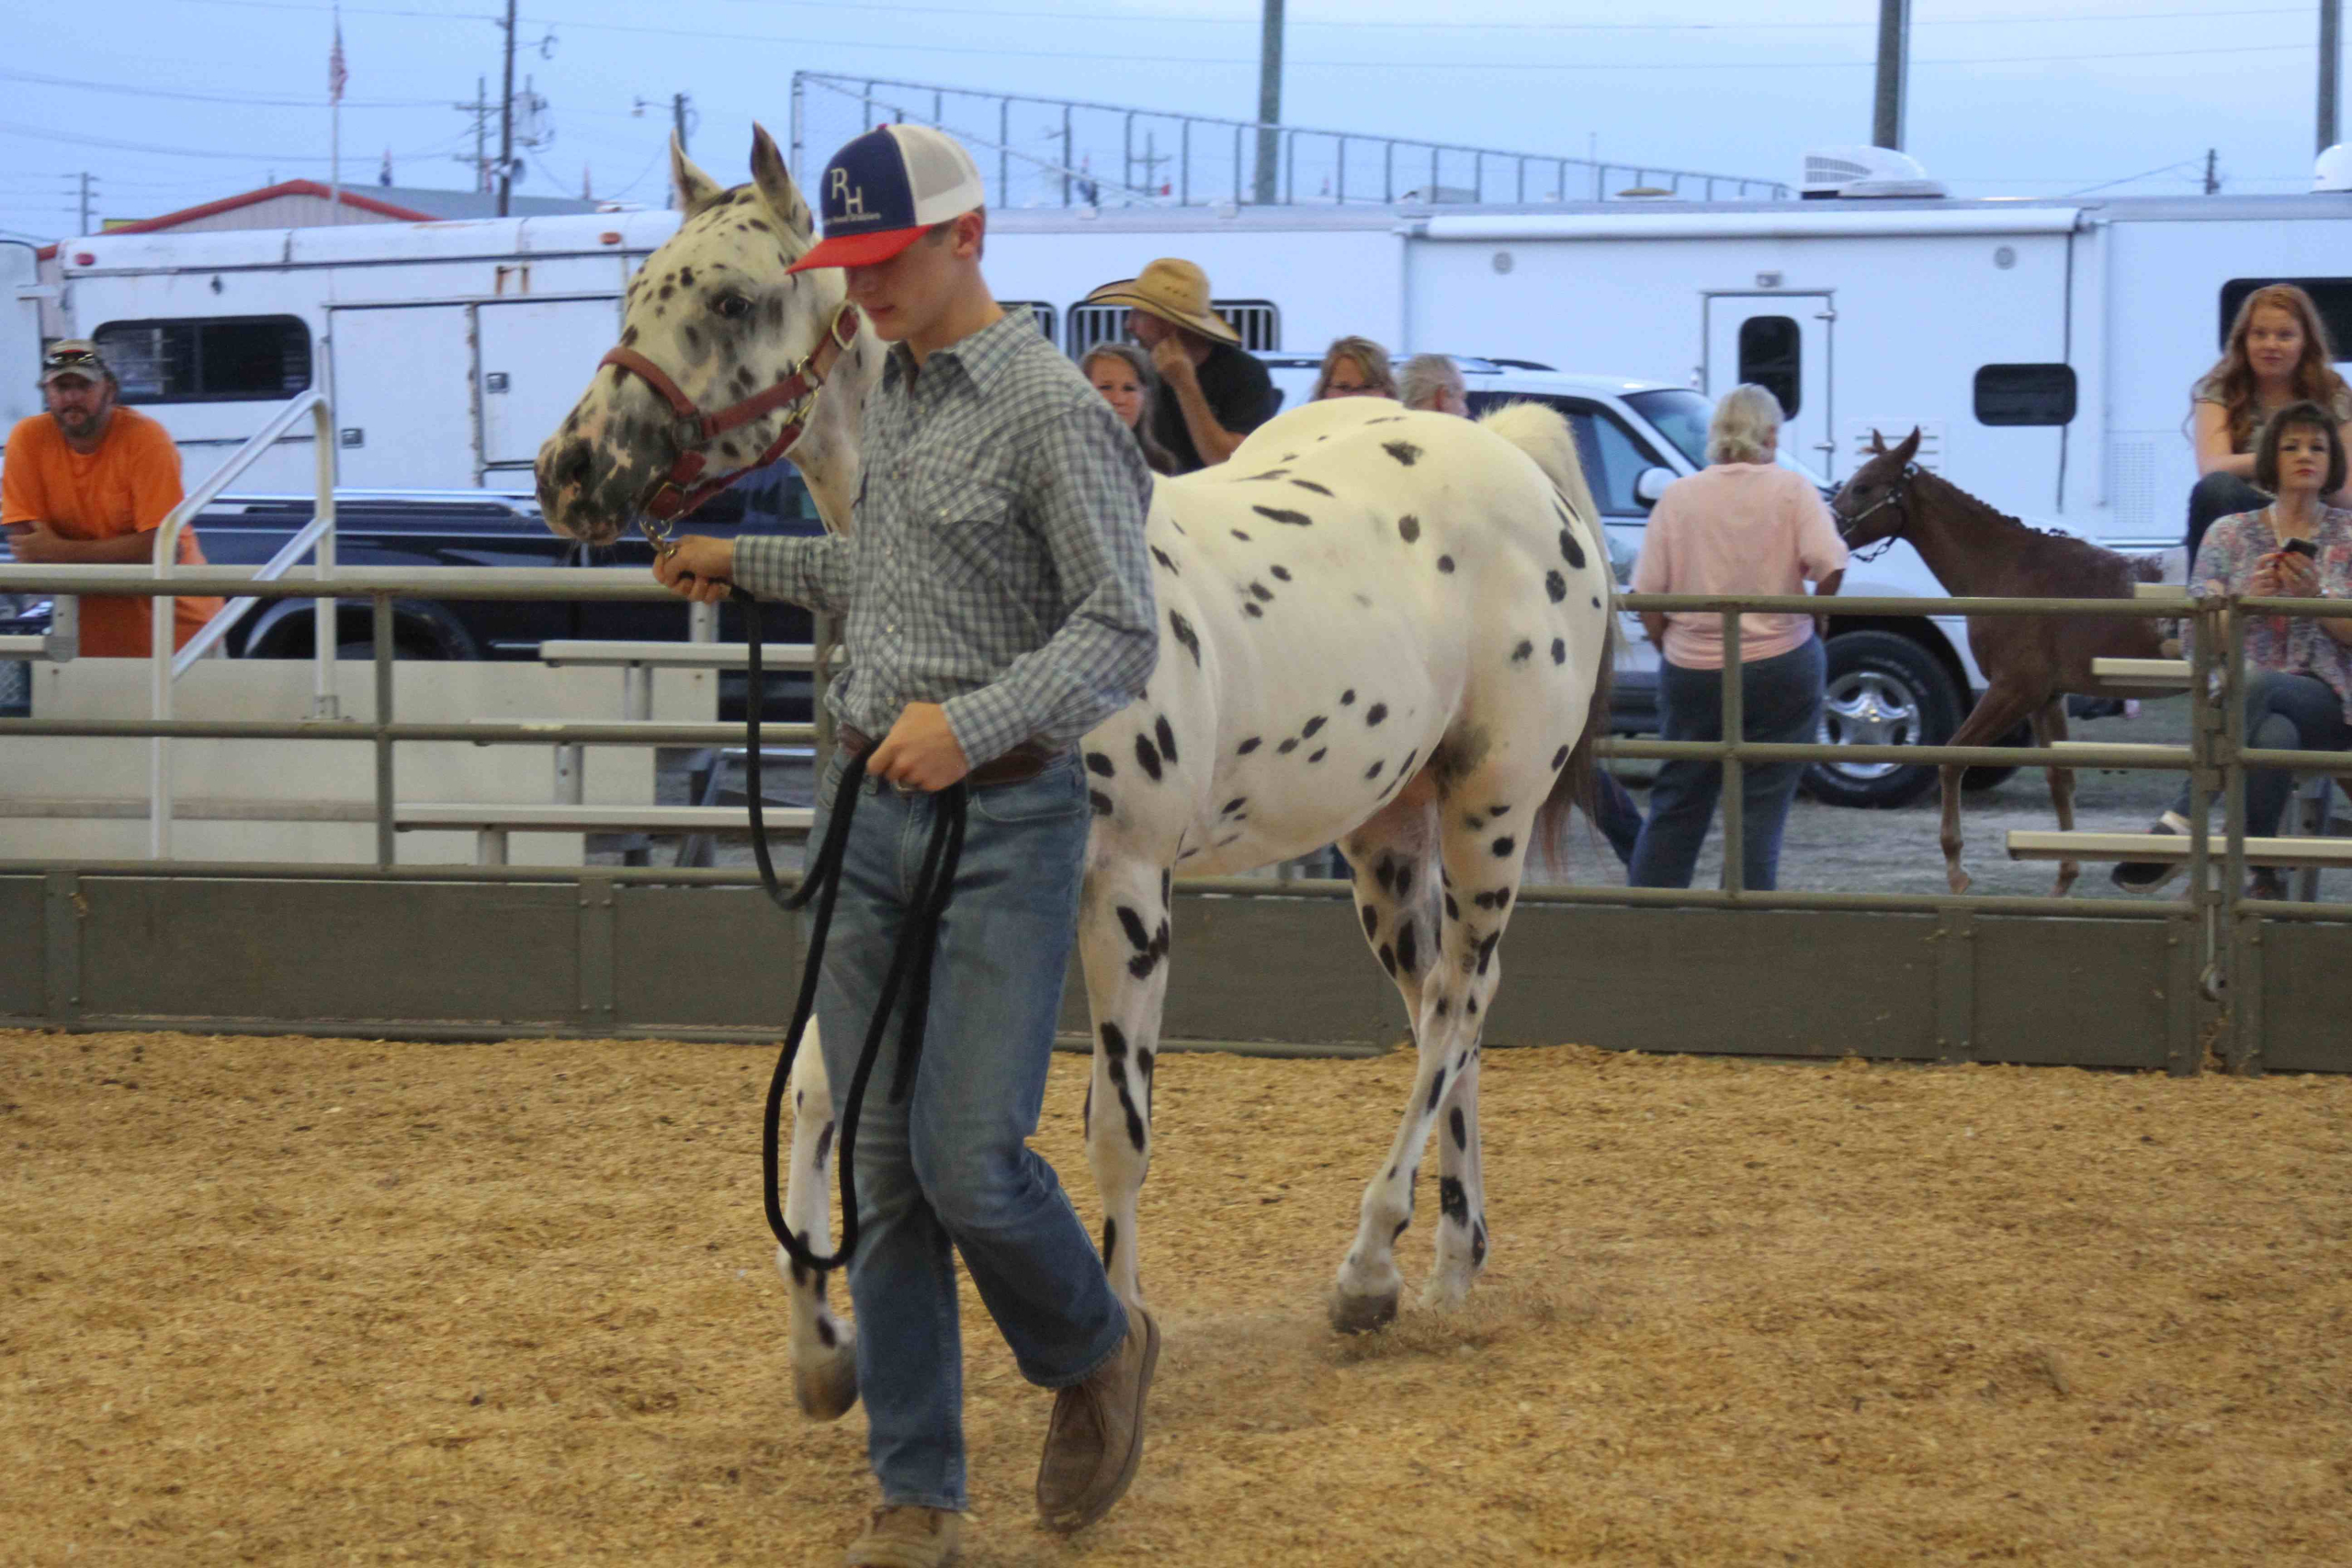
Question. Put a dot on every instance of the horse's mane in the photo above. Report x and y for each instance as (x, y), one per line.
(2137, 569)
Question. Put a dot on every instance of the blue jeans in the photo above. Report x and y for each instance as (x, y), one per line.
(1781, 700)
(2283, 712)
(952, 1163)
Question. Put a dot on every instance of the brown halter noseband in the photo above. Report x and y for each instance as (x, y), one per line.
(683, 488)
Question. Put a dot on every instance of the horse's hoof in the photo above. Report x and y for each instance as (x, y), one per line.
(1960, 882)
(1362, 1314)
(827, 1390)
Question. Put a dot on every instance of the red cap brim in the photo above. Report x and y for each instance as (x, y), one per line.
(858, 250)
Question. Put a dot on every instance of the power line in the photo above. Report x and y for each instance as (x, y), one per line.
(144, 91)
(41, 134)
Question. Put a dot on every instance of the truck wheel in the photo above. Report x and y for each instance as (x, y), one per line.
(1882, 689)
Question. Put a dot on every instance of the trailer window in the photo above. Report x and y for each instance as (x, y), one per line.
(1258, 321)
(2025, 394)
(224, 360)
(1769, 357)
(2332, 295)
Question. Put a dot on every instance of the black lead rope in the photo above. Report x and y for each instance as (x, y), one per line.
(911, 958)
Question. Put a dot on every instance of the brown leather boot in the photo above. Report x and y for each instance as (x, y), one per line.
(906, 1536)
(1095, 1440)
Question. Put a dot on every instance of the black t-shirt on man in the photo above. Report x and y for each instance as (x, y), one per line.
(1238, 391)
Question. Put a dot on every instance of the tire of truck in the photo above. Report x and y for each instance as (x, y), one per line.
(1882, 689)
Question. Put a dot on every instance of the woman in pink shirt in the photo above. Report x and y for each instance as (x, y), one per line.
(1743, 524)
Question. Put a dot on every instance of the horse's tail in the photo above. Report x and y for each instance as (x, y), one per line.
(1538, 430)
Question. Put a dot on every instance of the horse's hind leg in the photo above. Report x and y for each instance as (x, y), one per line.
(2049, 729)
(1394, 864)
(824, 1357)
(1122, 942)
(1996, 713)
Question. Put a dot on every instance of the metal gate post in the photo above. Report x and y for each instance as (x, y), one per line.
(62, 910)
(1735, 771)
(598, 951)
(2242, 1048)
(2210, 1013)
(381, 619)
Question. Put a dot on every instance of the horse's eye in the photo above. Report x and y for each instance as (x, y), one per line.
(734, 306)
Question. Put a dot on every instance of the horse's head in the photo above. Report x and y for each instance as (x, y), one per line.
(715, 311)
(1869, 506)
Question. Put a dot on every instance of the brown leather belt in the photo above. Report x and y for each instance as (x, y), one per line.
(1022, 763)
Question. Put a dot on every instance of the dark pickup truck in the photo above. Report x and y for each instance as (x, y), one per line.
(486, 531)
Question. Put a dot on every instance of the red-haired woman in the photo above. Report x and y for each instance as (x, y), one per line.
(2277, 353)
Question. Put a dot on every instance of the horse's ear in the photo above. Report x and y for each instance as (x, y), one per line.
(1877, 444)
(1910, 447)
(776, 185)
(696, 189)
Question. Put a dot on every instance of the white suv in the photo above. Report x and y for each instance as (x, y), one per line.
(1904, 681)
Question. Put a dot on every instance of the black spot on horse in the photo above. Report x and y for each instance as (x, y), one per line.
(825, 1332)
(1241, 535)
(1161, 557)
(1596, 601)
(824, 1142)
(1310, 727)
(1460, 1128)
(1405, 1225)
(1555, 585)
(1408, 947)
(1485, 957)
(1452, 910)
(1445, 563)
(1280, 573)
(685, 278)
(1269, 474)
(1260, 593)
(1248, 746)
(1287, 747)
(1559, 650)
(1452, 1202)
(1374, 714)
(1404, 452)
(1404, 880)
(1385, 874)
(1346, 696)
(628, 336)
(1159, 726)
(1520, 654)
(1504, 845)
(1181, 629)
(1137, 937)
(1167, 886)
(1570, 550)
(1479, 1244)
(1235, 804)
(1284, 516)
(1109, 1238)
(1437, 1089)
(1374, 772)
(1388, 960)
(1409, 527)
(1148, 755)
(1252, 607)
(1371, 922)
(1101, 802)
(1559, 759)
(1318, 754)
(1310, 484)
(1097, 763)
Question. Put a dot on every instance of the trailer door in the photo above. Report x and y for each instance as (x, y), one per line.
(404, 396)
(1781, 341)
(537, 357)
(20, 297)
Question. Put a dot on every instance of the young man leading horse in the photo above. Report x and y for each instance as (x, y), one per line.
(999, 606)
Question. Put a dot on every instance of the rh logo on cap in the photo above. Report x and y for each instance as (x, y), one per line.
(846, 201)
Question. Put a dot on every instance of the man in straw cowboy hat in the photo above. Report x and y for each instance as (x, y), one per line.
(1219, 392)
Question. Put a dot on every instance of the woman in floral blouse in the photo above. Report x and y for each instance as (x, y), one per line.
(2299, 671)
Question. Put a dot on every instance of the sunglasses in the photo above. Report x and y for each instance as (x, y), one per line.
(77, 359)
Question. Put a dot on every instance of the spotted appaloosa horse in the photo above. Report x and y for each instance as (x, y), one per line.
(1380, 628)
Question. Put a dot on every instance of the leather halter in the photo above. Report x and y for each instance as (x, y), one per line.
(683, 488)
(1895, 496)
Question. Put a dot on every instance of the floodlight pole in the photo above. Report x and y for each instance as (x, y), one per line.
(1893, 60)
(1269, 102)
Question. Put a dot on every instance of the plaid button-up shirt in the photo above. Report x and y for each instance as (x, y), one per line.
(996, 564)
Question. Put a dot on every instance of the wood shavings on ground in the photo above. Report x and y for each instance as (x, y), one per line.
(323, 1301)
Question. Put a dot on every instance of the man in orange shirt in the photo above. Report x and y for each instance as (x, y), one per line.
(88, 483)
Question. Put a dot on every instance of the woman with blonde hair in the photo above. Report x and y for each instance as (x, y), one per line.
(1354, 367)
(1743, 524)
(1122, 373)
(2276, 354)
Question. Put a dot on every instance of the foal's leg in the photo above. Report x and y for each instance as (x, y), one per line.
(1483, 822)
(1997, 713)
(1392, 857)
(1122, 942)
(2049, 729)
(824, 1359)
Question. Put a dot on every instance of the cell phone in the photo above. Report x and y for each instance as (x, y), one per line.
(2302, 548)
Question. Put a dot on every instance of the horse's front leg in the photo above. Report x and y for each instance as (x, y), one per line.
(1996, 713)
(1123, 935)
(824, 1357)
(2048, 729)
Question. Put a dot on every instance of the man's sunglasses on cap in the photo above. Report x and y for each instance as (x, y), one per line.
(72, 360)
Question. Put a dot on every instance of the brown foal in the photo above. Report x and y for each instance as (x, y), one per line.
(2031, 662)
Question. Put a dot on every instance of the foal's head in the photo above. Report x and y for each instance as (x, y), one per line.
(1873, 504)
(715, 310)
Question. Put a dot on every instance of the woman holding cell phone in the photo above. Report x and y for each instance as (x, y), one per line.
(2299, 669)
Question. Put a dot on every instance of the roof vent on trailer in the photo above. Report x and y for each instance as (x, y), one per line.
(1858, 173)
(2334, 170)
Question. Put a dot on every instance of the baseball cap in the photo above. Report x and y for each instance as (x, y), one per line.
(73, 357)
(884, 189)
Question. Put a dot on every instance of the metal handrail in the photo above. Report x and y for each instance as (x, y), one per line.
(315, 539)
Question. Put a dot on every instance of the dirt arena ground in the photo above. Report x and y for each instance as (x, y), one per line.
(328, 1302)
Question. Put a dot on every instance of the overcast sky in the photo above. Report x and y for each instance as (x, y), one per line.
(172, 102)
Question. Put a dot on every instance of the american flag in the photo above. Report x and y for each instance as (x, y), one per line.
(336, 74)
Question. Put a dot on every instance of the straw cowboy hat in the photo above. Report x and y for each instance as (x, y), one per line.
(1173, 290)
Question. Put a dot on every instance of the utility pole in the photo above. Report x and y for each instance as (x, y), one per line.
(678, 117)
(1269, 102)
(85, 204)
(2331, 50)
(506, 120)
(2212, 181)
(1893, 56)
